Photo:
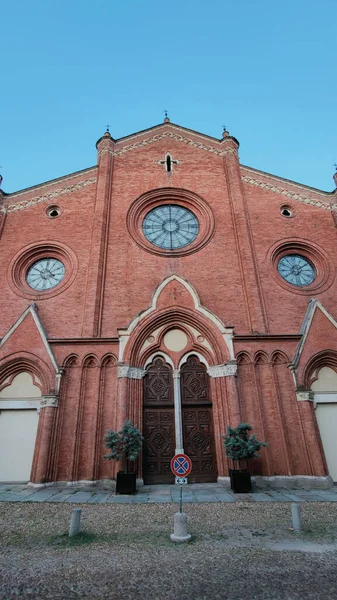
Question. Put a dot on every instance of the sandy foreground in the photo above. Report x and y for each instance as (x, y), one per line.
(238, 551)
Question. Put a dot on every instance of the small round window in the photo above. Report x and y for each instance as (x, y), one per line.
(296, 269)
(45, 274)
(170, 227)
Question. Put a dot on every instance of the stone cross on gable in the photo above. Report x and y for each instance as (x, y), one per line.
(168, 162)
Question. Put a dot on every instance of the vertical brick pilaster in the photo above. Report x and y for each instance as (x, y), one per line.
(3, 215)
(251, 286)
(92, 318)
(312, 439)
(40, 469)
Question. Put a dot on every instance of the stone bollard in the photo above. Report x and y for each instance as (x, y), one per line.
(75, 522)
(180, 534)
(296, 516)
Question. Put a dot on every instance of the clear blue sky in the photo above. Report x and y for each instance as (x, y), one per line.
(266, 70)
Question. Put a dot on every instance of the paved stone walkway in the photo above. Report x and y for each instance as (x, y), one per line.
(211, 492)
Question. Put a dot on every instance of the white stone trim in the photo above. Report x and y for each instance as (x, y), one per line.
(32, 309)
(178, 420)
(289, 194)
(325, 397)
(50, 196)
(130, 372)
(227, 332)
(225, 370)
(19, 403)
(167, 358)
(220, 151)
(202, 359)
(305, 328)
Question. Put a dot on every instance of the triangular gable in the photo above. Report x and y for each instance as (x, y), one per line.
(314, 305)
(31, 311)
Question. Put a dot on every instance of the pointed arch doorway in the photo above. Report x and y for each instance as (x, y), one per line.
(170, 421)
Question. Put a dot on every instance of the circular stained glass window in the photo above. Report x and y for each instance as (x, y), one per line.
(296, 269)
(170, 227)
(45, 274)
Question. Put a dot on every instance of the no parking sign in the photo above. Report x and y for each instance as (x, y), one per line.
(181, 466)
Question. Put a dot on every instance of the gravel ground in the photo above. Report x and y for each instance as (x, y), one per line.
(238, 551)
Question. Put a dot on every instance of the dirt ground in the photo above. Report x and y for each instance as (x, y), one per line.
(238, 551)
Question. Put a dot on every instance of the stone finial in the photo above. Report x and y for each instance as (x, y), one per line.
(225, 132)
(334, 176)
(166, 119)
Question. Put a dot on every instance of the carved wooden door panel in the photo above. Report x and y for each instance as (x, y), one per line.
(198, 421)
(158, 424)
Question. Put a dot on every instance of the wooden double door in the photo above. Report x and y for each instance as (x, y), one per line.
(159, 422)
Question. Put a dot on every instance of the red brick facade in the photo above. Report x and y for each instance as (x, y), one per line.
(91, 338)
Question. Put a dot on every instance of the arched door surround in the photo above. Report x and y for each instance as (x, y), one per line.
(324, 395)
(177, 417)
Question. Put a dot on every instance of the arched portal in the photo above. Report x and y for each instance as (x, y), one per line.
(177, 417)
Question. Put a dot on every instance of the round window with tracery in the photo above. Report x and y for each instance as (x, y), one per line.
(170, 227)
(296, 269)
(45, 274)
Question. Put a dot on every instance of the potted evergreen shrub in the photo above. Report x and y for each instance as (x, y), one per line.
(124, 445)
(241, 447)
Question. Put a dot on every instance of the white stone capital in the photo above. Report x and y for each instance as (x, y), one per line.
(130, 372)
(224, 370)
(49, 401)
(305, 396)
(176, 374)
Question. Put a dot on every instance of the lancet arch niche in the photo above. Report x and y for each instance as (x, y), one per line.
(179, 360)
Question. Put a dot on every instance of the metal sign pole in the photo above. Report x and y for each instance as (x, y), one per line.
(181, 499)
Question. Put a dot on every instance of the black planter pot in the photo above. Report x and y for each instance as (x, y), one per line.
(125, 483)
(241, 482)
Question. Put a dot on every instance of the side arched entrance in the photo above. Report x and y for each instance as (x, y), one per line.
(20, 398)
(177, 417)
(324, 389)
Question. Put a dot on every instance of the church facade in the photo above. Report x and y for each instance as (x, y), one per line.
(172, 286)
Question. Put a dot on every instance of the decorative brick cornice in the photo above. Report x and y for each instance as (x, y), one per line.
(179, 138)
(50, 196)
(288, 194)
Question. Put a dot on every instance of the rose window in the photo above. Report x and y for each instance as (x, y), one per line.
(170, 227)
(296, 269)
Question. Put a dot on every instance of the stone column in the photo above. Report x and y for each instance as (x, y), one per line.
(178, 421)
(43, 447)
(122, 397)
